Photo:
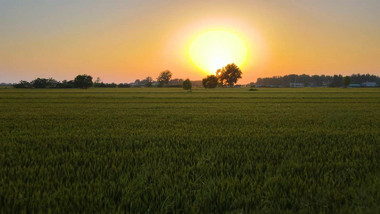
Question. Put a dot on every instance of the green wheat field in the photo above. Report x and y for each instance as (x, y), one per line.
(139, 150)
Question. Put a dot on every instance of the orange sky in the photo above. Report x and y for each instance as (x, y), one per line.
(121, 41)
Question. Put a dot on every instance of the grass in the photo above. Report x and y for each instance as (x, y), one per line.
(310, 150)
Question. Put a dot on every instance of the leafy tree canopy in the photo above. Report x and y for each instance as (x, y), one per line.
(210, 81)
(187, 84)
(164, 77)
(229, 75)
(83, 81)
(346, 81)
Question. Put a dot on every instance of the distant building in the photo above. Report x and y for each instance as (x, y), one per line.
(296, 85)
(369, 84)
(354, 85)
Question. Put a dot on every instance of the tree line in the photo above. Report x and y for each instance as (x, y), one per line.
(80, 81)
(225, 77)
(317, 80)
(86, 81)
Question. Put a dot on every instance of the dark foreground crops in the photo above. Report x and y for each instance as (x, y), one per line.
(167, 150)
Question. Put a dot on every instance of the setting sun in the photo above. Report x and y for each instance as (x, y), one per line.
(215, 49)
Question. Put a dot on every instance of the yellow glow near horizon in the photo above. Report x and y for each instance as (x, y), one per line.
(215, 49)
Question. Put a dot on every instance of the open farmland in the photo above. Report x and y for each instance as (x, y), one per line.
(168, 150)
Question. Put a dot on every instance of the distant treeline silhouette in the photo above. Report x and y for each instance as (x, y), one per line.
(316, 80)
(80, 81)
(85, 81)
(225, 77)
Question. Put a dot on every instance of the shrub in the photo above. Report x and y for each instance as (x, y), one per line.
(187, 84)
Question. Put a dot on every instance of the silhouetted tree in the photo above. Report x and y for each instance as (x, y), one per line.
(112, 85)
(337, 81)
(147, 82)
(124, 85)
(98, 80)
(210, 81)
(164, 77)
(65, 84)
(39, 83)
(23, 84)
(346, 81)
(83, 81)
(105, 85)
(52, 83)
(136, 83)
(187, 84)
(360, 78)
(98, 83)
(229, 75)
(176, 83)
(44, 83)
